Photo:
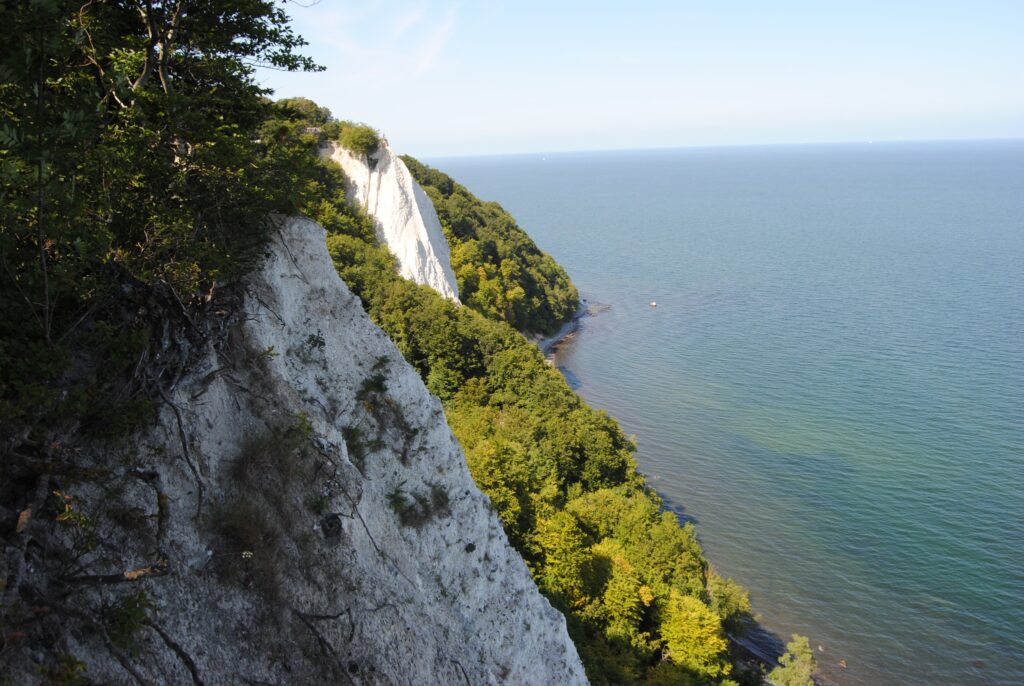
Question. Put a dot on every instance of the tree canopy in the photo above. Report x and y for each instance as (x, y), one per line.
(132, 172)
(358, 138)
(796, 666)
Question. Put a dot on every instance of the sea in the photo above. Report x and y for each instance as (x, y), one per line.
(820, 352)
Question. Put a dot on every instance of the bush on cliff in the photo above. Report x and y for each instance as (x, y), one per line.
(358, 138)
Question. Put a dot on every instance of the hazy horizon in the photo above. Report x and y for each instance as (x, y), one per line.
(446, 78)
(830, 384)
(901, 141)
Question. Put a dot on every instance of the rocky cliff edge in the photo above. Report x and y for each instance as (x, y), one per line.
(301, 513)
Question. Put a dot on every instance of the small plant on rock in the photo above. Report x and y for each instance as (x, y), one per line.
(353, 437)
(126, 618)
(375, 384)
(417, 509)
(67, 672)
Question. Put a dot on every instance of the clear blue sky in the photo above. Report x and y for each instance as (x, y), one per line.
(441, 77)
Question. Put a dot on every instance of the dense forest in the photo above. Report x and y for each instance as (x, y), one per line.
(141, 169)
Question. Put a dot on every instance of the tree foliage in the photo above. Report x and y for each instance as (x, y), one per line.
(133, 179)
(693, 635)
(358, 138)
(304, 110)
(796, 666)
(730, 602)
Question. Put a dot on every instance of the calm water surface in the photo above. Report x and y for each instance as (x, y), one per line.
(831, 385)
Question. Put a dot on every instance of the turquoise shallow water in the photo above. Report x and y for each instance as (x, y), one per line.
(831, 385)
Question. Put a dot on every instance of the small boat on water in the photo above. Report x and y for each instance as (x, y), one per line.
(654, 304)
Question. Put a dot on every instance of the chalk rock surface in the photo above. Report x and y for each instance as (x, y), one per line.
(403, 214)
(314, 516)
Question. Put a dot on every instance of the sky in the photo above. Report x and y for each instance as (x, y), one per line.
(448, 77)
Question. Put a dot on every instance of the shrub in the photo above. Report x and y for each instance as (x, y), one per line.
(359, 138)
(439, 500)
(259, 515)
(126, 618)
(419, 508)
(372, 385)
(356, 447)
(68, 671)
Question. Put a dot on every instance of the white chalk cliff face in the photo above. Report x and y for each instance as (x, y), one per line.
(313, 513)
(405, 218)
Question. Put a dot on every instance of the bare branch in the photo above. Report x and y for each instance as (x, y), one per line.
(158, 568)
(146, 13)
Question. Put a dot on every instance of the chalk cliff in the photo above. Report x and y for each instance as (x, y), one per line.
(301, 513)
(404, 216)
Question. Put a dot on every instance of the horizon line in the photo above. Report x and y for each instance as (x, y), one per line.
(887, 141)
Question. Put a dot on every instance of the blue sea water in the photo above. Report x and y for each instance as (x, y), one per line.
(831, 384)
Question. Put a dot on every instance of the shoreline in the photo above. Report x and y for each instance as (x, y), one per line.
(548, 346)
(758, 644)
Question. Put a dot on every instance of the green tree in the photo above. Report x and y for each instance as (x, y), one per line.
(796, 666)
(565, 556)
(133, 180)
(693, 634)
(625, 598)
(731, 602)
(306, 110)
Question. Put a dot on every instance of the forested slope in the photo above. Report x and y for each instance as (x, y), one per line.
(139, 163)
(642, 603)
(500, 270)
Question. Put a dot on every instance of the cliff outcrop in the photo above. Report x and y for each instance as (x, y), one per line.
(301, 513)
(404, 217)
